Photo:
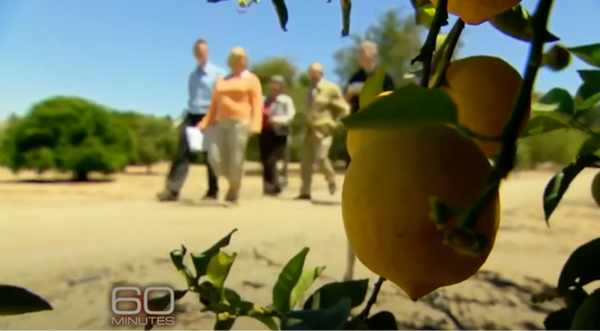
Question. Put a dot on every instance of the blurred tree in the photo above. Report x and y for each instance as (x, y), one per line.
(68, 134)
(155, 138)
(399, 39)
(275, 66)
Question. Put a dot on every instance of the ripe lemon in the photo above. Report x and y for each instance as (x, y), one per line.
(596, 189)
(386, 211)
(485, 89)
(478, 11)
(357, 137)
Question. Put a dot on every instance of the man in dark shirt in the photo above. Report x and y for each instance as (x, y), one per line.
(367, 53)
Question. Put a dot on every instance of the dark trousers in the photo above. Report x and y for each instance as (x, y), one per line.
(272, 149)
(181, 161)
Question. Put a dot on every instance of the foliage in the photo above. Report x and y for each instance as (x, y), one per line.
(398, 38)
(67, 134)
(155, 138)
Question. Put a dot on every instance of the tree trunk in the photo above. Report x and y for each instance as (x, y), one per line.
(81, 176)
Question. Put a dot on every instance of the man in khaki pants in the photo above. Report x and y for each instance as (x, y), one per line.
(326, 106)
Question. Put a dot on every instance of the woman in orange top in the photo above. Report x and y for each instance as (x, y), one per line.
(234, 114)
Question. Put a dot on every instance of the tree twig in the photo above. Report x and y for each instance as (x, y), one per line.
(372, 300)
(506, 160)
(448, 51)
(439, 19)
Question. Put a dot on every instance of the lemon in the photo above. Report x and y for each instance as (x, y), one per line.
(356, 137)
(485, 89)
(478, 11)
(386, 210)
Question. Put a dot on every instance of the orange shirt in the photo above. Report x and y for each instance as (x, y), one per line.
(237, 97)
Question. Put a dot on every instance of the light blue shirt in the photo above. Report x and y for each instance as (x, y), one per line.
(201, 84)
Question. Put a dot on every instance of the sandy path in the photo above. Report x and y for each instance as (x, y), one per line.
(70, 243)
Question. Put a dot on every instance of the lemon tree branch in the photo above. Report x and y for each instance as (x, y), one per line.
(447, 50)
(439, 19)
(372, 300)
(506, 160)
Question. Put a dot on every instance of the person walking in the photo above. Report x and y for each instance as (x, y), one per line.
(200, 89)
(326, 107)
(278, 113)
(367, 54)
(235, 113)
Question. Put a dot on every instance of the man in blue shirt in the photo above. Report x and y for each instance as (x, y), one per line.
(200, 85)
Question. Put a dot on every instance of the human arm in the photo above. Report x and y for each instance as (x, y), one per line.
(337, 103)
(256, 104)
(211, 113)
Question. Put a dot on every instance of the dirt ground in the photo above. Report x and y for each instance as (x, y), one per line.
(72, 242)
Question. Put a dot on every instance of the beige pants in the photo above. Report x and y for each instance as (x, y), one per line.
(227, 151)
(315, 149)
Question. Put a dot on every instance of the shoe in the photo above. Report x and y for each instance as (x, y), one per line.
(210, 197)
(303, 197)
(332, 188)
(167, 196)
(231, 199)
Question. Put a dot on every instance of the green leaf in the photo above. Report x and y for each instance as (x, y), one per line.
(224, 321)
(177, 259)
(589, 146)
(409, 105)
(589, 54)
(558, 185)
(383, 320)
(575, 297)
(331, 294)
(590, 102)
(558, 100)
(333, 318)
(15, 300)
(264, 319)
(424, 15)
(282, 13)
(560, 319)
(516, 23)
(589, 75)
(582, 267)
(288, 278)
(202, 260)
(372, 88)
(218, 269)
(587, 316)
(542, 124)
(306, 280)
(346, 9)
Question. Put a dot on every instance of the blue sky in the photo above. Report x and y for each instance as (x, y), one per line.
(136, 54)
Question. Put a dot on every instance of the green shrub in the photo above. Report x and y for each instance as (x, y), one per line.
(67, 134)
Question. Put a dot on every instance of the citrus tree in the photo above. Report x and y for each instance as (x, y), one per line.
(429, 213)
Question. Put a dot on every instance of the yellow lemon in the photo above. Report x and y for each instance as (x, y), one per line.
(356, 137)
(485, 89)
(386, 210)
(478, 11)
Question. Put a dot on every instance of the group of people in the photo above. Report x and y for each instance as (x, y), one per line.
(229, 107)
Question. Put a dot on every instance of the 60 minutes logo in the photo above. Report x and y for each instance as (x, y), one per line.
(132, 306)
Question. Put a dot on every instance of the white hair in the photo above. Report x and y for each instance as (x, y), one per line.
(370, 47)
